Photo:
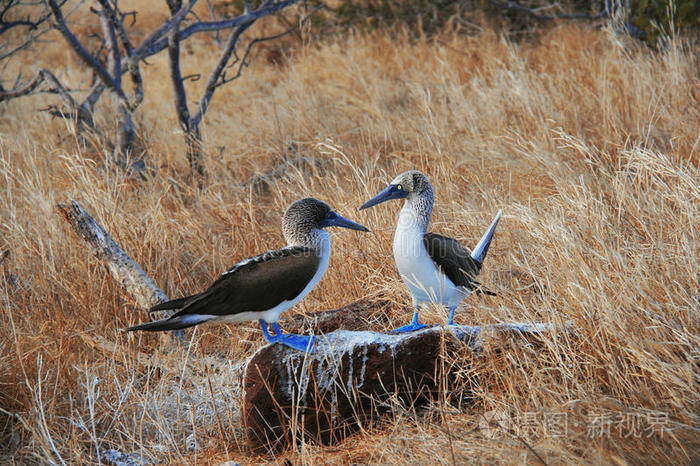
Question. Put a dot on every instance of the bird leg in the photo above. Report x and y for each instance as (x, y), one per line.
(452, 316)
(298, 342)
(414, 325)
(266, 334)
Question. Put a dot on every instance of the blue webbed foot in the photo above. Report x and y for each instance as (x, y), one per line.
(298, 342)
(413, 326)
(303, 343)
(410, 328)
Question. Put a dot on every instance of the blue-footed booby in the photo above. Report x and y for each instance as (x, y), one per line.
(263, 287)
(435, 268)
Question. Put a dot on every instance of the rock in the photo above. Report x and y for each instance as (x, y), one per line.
(118, 458)
(352, 379)
(358, 315)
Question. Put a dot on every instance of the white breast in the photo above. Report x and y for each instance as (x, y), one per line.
(418, 271)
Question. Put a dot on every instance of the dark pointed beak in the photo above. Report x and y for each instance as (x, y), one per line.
(388, 193)
(335, 220)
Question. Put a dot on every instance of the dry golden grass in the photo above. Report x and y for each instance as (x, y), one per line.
(588, 142)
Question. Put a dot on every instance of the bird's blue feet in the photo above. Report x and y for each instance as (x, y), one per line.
(413, 326)
(301, 343)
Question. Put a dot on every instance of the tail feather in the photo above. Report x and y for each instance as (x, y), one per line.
(173, 304)
(482, 247)
(173, 323)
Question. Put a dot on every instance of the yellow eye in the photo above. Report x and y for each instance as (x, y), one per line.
(399, 187)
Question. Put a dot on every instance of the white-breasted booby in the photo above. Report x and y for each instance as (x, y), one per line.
(435, 268)
(264, 286)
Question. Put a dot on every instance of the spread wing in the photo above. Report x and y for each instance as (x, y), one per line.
(256, 284)
(453, 260)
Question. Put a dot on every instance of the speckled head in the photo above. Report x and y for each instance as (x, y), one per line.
(413, 182)
(411, 185)
(304, 219)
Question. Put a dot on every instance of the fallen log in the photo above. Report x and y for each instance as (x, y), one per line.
(353, 379)
(124, 270)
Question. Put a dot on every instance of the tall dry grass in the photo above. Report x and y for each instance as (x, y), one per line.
(587, 141)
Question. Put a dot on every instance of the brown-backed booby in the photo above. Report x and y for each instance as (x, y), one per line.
(435, 268)
(264, 286)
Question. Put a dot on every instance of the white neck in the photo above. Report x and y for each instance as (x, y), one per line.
(410, 229)
(324, 250)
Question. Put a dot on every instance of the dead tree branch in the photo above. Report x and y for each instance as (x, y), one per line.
(110, 78)
(80, 113)
(125, 125)
(213, 81)
(23, 89)
(123, 269)
(158, 40)
(104, 75)
(10, 19)
(132, 62)
(242, 62)
(190, 130)
(189, 122)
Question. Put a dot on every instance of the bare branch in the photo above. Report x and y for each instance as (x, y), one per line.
(34, 26)
(244, 61)
(190, 123)
(181, 108)
(93, 96)
(217, 38)
(77, 47)
(218, 69)
(132, 64)
(107, 21)
(155, 42)
(192, 134)
(42, 76)
(125, 127)
(57, 112)
(218, 76)
(22, 90)
(85, 110)
(146, 49)
(81, 114)
(59, 88)
(7, 26)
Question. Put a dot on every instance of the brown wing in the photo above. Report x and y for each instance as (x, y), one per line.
(454, 261)
(257, 284)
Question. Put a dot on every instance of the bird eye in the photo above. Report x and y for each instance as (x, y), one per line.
(399, 187)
